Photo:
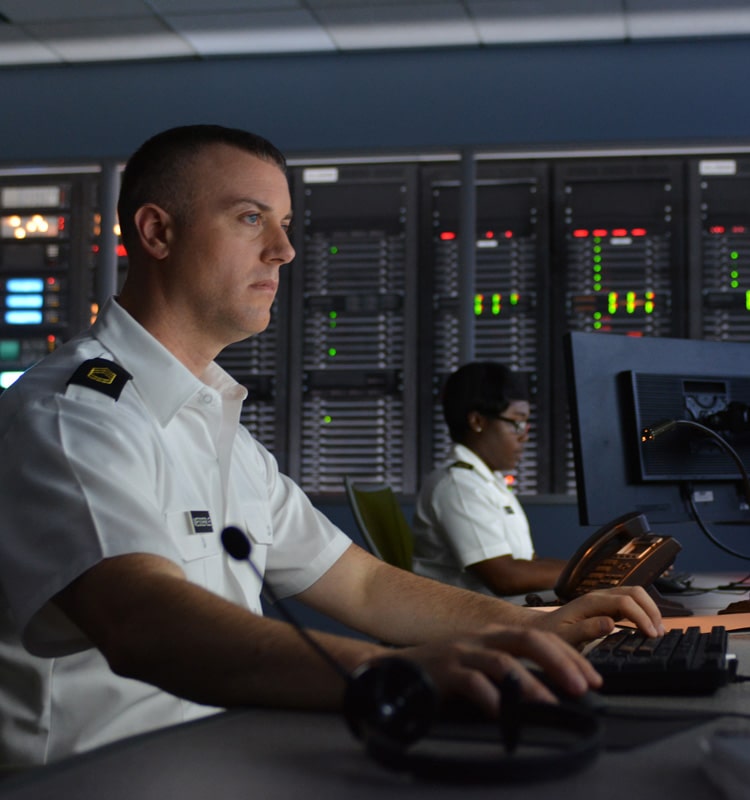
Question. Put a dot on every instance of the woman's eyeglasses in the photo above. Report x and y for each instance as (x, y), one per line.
(520, 426)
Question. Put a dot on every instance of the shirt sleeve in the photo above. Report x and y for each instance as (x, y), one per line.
(471, 517)
(69, 473)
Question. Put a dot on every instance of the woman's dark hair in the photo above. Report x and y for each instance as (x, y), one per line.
(159, 171)
(483, 386)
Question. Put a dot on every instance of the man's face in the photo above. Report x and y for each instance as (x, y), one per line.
(225, 255)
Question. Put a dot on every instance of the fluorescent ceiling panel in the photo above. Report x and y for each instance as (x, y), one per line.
(16, 48)
(262, 32)
(518, 21)
(393, 26)
(111, 40)
(662, 19)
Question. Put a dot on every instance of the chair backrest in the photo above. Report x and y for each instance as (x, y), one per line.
(381, 521)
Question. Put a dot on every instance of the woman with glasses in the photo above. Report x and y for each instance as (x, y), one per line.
(469, 528)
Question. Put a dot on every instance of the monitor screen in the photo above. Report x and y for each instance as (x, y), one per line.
(687, 391)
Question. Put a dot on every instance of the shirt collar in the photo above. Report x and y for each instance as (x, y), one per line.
(460, 452)
(164, 383)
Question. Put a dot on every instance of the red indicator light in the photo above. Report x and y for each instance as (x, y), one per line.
(51, 281)
(717, 229)
(508, 234)
(738, 229)
(618, 232)
(447, 236)
(635, 334)
(580, 233)
(94, 248)
(489, 235)
(121, 251)
(599, 232)
(638, 232)
(61, 223)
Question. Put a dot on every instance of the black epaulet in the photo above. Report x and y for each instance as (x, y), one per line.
(103, 375)
(461, 464)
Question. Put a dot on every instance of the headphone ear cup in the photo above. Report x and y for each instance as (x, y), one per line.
(391, 700)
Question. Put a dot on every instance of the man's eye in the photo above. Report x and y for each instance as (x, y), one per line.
(253, 219)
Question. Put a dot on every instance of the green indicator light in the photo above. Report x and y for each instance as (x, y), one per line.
(597, 325)
(630, 302)
(496, 303)
(735, 284)
(597, 268)
(331, 351)
(612, 302)
(515, 298)
(597, 239)
(734, 255)
(327, 418)
(333, 314)
(734, 274)
(478, 304)
(747, 300)
(597, 287)
(597, 259)
(648, 306)
(331, 325)
(597, 315)
(333, 249)
(597, 249)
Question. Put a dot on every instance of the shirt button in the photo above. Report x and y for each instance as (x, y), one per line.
(207, 398)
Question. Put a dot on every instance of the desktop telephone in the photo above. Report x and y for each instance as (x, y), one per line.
(622, 553)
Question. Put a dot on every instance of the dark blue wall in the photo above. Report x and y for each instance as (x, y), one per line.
(658, 92)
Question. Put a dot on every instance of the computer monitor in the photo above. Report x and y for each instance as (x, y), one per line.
(617, 386)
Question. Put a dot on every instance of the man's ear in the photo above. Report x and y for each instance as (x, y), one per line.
(153, 224)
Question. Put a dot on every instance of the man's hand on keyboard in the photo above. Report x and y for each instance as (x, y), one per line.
(594, 615)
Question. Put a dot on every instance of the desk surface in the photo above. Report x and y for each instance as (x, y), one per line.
(282, 754)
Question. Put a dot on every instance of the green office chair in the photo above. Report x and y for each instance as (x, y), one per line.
(381, 521)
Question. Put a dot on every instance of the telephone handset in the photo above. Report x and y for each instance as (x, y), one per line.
(622, 553)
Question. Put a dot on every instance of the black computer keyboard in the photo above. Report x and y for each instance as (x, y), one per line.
(679, 663)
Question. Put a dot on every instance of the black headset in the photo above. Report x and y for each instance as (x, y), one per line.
(393, 707)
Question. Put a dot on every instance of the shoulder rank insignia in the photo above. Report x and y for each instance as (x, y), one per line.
(103, 375)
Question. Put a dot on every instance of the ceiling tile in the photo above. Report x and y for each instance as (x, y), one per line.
(17, 48)
(110, 40)
(59, 10)
(261, 32)
(207, 7)
(391, 26)
(687, 18)
(517, 21)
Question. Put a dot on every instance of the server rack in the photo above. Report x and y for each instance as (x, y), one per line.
(720, 248)
(47, 259)
(509, 304)
(353, 322)
(619, 261)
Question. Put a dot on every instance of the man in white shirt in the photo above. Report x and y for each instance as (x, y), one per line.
(123, 460)
(469, 528)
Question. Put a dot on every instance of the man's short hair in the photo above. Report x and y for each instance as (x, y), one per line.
(483, 386)
(157, 171)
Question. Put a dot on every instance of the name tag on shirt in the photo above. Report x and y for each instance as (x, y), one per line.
(200, 522)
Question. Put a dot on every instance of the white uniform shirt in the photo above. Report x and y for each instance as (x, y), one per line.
(464, 515)
(161, 470)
